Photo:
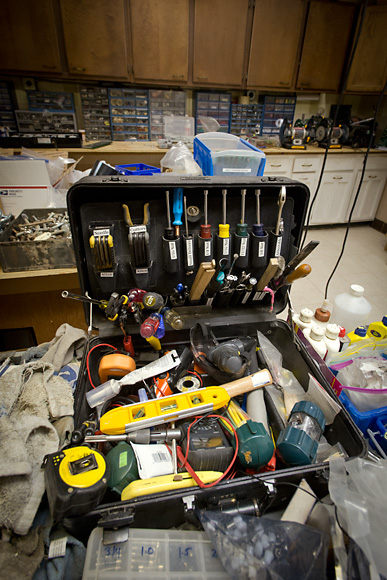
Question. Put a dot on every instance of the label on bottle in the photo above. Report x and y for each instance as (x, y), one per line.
(207, 248)
(278, 247)
(261, 249)
(226, 246)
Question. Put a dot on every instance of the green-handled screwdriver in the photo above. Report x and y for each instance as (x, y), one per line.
(241, 228)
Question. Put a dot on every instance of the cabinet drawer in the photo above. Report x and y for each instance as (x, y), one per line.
(376, 162)
(303, 164)
(278, 164)
(341, 162)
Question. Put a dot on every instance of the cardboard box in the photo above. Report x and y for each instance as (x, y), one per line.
(24, 184)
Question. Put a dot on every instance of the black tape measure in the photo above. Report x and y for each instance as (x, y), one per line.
(76, 480)
(209, 448)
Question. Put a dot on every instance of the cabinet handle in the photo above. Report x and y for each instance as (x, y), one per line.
(78, 68)
(283, 83)
(202, 78)
(307, 165)
(337, 178)
(49, 66)
(177, 76)
(272, 165)
(372, 176)
(305, 84)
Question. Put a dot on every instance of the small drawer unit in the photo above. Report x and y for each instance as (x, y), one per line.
(164, 103)
(96, 115)
(246, 119)
(215, 105)
(129, 114)
(275, 109)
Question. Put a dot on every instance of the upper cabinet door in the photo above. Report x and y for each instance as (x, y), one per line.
(94, 33)
(219, 41)
(369, 67)
(28, 37)
(159, 32)
(325, 46)
(276, 37)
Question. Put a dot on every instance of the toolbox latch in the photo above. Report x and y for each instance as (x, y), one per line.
(116, 536)
(117, 518)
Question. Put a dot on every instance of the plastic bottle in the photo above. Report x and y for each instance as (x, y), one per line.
(322, 315)
(315, 336)
(343, 338)
(378, 330)
(360, 333)
(351, 309)
(304, 319)
(332, 341)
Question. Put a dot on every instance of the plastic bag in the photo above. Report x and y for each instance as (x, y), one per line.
(361, 501)
(266, 549)
(179, 159)
(209, 124)
(55, 165)
(365, 383)
(369, 347)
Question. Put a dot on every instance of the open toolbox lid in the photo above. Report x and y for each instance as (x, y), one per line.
(95, 206)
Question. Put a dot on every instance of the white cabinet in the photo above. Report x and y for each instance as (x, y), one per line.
(333, 199)
(370, 193)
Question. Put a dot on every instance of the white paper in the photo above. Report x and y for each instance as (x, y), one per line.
(153, 460)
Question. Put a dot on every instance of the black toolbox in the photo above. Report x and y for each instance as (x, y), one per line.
(95, 208)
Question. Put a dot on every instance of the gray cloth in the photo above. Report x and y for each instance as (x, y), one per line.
(20, 556)
(68, 342)
(31, 397)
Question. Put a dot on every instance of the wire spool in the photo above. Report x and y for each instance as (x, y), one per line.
(188, 383)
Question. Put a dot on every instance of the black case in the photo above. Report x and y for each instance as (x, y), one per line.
(97, 202)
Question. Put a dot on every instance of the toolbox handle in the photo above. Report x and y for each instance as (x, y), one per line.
(250, 383)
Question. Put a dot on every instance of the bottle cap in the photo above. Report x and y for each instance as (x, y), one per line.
(325, 305)
(357, 290)
(332, 331)
(322, 315)
(384, 320)
(317, 332)
(361, 331)
(306, 315)
(342, 332)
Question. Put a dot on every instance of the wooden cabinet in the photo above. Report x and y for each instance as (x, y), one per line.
(28, 37)
(370, 193)
(369, 67)
(95, 37)
(159, 33)
(325, 46)
(276, 25)
(219, 42)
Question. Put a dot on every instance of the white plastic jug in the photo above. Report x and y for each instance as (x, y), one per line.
(351, 309)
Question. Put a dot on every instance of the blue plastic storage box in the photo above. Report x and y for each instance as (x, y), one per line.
(225, 154)
(137, 169)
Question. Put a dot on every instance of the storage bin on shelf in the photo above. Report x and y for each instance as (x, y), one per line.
(225, 154)
(137, 169)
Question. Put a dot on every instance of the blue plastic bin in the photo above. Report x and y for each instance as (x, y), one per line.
(364, 420)
(225, 154)
(137, 169)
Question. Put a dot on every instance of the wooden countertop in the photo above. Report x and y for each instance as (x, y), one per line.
(38, 280)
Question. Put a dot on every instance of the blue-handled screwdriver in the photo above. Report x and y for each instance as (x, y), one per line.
(177, 209)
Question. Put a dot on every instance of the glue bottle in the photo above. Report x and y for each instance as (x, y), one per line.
(378, 330)
(304, 319)
(360, 333)
(343, 338)
(315, 336)
(332, 341)
(322, 315)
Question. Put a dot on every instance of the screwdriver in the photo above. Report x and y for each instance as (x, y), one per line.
(205, 229)
(177, 209)
(258, 227)
(241, 228)
(169, 233)
(224, 228)
(189, 261)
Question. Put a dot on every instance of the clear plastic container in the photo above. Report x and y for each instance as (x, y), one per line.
(178, 126)
(225, 154)
(351, 309)
(151, 555)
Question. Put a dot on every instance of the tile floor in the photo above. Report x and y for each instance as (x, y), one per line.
(364, 262)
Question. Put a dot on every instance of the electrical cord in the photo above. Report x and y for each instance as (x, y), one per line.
(357, 192)
(330, 129)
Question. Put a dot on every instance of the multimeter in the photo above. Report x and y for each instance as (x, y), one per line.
(209, 448)
(76, 480)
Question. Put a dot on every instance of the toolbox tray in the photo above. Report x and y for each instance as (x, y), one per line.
(99, 200)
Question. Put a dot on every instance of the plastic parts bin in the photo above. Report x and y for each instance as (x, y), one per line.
(225, 154)
(137, 169)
